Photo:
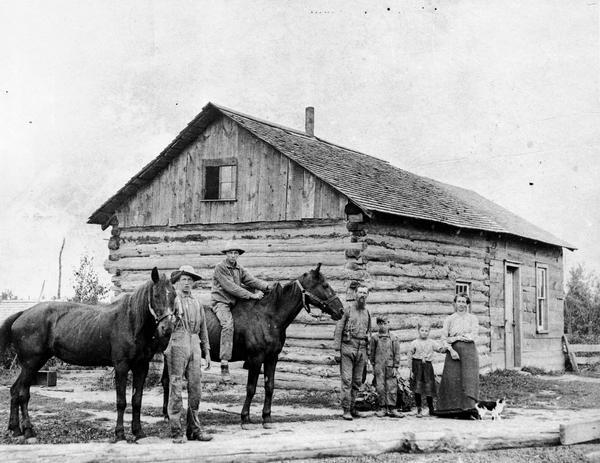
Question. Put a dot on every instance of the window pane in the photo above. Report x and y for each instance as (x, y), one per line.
(227, 190)
(462, 288)
(540, 313)
(211, 177)
(226, 173)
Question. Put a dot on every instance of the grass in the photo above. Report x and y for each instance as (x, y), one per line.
(524, 390)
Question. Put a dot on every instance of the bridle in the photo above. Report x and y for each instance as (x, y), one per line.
(157, 319)
(316, 300)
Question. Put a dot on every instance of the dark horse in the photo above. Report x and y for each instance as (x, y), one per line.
(259, 331)
(124, 334)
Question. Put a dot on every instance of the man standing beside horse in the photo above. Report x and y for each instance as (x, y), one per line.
(228, 284)
(351, 339)
(183, 356)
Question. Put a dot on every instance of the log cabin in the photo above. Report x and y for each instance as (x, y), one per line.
(292, 199)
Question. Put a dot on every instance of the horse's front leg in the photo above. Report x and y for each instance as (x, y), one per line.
(121, 371)
(164, 380)
(140, 372)
(253, 373)
(269, 367)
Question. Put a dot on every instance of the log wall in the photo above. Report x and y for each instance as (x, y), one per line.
(277, 251)
(270, 187)
(412, 272)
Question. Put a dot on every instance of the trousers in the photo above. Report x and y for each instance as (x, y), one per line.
(386, 385)
(223, 313)
(353, 361)
(184, 360)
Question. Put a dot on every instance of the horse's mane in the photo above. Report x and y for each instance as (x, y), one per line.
(137, 302)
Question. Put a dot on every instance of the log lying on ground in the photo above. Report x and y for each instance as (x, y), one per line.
(576, 433)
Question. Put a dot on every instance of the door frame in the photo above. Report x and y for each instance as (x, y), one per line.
(515, 269)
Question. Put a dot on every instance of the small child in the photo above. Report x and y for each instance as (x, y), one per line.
(422, 377)
(384, 352)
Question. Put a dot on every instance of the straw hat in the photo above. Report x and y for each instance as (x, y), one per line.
(185, 270)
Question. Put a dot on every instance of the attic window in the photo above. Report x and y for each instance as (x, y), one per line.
(220, 179)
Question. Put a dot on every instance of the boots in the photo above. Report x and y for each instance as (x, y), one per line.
(200, 436)
(347, 415)
(381, 412)
(393, 413)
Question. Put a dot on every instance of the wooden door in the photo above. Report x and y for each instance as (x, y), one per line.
(512, 318)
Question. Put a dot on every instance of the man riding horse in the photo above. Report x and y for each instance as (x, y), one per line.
(228, 284)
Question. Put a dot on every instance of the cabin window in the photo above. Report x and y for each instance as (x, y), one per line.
(463, 287)
(219, 179)
(541, 291)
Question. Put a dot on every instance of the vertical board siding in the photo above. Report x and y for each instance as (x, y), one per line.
(269, 186)
(537, 349)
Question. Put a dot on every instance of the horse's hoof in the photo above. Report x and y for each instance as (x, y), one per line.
(31, 440)
(268, 425)
(248, 426)
(20, 439)
(119, 438)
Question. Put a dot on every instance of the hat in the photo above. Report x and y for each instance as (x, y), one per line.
(185, 270)
(229, 246)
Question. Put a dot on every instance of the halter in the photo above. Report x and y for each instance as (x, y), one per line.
(318, 301)
(157, 319)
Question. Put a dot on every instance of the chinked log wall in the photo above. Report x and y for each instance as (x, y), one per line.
(411, 274)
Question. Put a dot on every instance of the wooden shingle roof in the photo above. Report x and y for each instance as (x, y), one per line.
(372, 184)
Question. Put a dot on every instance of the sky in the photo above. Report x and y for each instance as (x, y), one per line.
(498, 97)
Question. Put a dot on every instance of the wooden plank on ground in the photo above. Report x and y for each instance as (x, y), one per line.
(575, 433)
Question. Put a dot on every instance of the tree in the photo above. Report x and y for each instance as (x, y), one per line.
(87, 286)
(7, 295)
(582, 303)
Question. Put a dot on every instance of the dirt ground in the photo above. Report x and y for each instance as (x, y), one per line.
(80, 410)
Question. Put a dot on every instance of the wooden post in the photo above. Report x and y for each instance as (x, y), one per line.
(60, 268)
(571, 354)
(42, 291)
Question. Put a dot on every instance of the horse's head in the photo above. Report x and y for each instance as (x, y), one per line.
(318, 293)
(162, 303)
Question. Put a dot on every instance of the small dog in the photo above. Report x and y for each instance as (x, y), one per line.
(492, 407)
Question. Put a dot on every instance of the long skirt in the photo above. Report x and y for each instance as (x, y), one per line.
(459, 387)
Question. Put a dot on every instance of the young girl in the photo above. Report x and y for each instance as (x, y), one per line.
(422, 377)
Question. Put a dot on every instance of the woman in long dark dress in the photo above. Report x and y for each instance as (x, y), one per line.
(459, 387)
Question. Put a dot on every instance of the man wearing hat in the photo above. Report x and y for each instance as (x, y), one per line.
(351, 341)
(229, 284)
(183, 356)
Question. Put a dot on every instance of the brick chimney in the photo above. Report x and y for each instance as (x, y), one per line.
(310, 121)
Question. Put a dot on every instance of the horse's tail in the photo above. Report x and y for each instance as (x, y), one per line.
(5, 337)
